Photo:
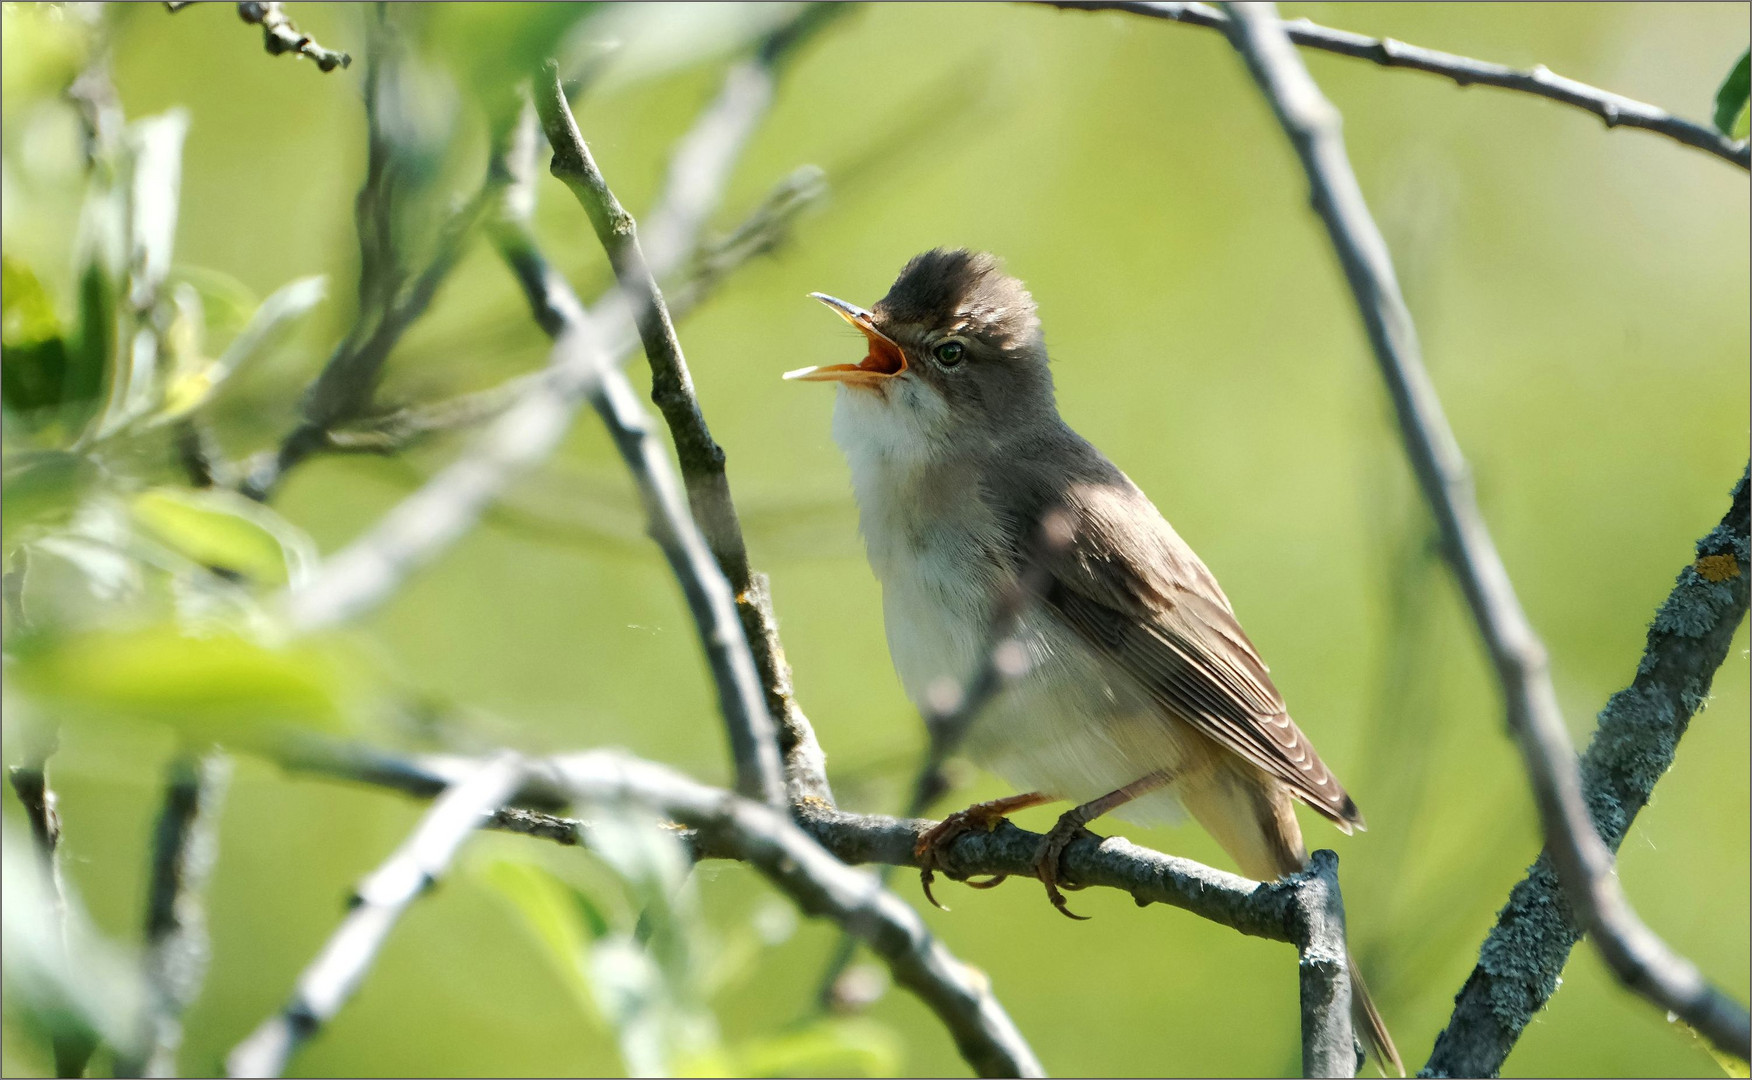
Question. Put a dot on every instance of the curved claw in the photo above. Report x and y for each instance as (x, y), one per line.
(989, 883)
(926, 876)
(1046, 863)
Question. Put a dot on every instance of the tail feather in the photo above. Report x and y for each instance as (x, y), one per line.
(1370, 1028)
(1255, 822)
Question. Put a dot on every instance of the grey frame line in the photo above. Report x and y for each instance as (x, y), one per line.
(379, 902)
(1615, 110)
(1584, 864)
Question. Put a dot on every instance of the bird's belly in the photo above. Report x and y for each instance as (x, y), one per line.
(1072, 726)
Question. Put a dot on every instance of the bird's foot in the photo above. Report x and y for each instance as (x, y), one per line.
(1046, 860)
(980, 817)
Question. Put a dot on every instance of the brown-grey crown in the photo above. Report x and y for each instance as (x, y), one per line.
(963, 292)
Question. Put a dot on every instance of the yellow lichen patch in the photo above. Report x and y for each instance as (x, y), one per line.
(1717, 567)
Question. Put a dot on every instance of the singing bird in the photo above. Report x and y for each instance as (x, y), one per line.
(1141, 695)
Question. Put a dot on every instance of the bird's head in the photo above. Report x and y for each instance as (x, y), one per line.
(955, 350)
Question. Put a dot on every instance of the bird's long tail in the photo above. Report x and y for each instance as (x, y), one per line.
(1254, 820)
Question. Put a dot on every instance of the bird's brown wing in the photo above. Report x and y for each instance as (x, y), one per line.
(1135, 591)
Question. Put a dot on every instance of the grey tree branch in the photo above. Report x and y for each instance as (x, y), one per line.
(1583, 862)
(388, 302)
(280, 35)
(30, 782)
(380, 901)
(185, 844)
(823, 886)
(1637, 737)
(742, 694)
(1615, 109)
(1293, 909)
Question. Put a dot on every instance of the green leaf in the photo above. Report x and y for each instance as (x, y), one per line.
(834, 1047)
(94, 358)
(563, 919)
(33, 374)
(1731, 100)
(268, 327)
(224, 530)
(41, 490)
(493, 50)
(220, 688)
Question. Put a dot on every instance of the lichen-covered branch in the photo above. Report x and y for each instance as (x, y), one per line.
(330, 980)
(184, 846)
(742, 695)
(1638, 735)
(1583, 862)
(1615, 109)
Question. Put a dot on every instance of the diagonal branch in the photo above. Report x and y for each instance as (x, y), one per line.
(753, 735)
(1584, 864)
(1615, 109)
(821, 885)
(1638, 735)
(379, 902)
(184, 846)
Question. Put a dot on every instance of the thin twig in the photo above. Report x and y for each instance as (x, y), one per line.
(30, 782)
(1615, 109)
(741, 692)
(380, 901)
(184, 847)
(279, 35)
(388, 303)
(1583, 861)
(821, 885)
(1637, 737)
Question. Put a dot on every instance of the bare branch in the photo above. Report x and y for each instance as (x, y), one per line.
(388, 303)
(30, 782)
(183, 851)
(821, 885)
(1637, 738)
(1615, 109)
(279, 35)
(753, 736)
(1303, 909)
(1584, 864)
(380, 901)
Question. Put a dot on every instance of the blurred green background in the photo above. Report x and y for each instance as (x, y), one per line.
(1582, 298)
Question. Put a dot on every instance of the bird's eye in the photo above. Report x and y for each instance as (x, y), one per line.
(949, 353)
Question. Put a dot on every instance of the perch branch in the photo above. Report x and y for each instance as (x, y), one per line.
(379, 902)
(1287, 910)
(184, 846)
(742, 694)
(1638, 734)
(1582, 860)
(1615, 109)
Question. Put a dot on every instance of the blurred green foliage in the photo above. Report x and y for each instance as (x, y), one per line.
(1581, 295)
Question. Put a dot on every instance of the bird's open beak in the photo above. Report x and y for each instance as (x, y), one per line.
(886, 360)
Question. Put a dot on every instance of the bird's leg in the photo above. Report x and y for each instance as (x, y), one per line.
(984, 817)
(1070, 825)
